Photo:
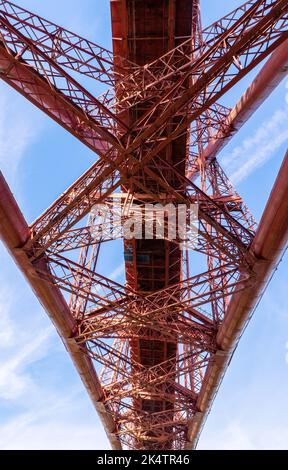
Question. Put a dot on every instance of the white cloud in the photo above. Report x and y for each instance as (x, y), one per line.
(14, 379)
(18, 129)
(6, 327)
(47, 417)
(19, 347)
(51, 422)
(259, 148)
(118, 272)
(52, 435)
(43, 416)
(286, 97)
(240, 436)
(39, 410)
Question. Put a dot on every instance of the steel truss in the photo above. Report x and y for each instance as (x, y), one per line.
(155, 344)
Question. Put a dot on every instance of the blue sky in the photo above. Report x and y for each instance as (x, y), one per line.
(42, 401)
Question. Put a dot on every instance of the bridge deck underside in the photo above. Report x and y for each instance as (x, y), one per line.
(144, 30)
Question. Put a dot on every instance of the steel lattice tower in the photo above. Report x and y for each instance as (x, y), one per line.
(166, 336)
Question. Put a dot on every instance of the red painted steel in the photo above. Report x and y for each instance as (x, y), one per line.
(165, 337)
(271, 75)
(14, 234)
(267, 248)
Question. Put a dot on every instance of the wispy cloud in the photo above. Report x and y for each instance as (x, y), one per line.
(41, 416)
(256, 150)
(24, 335)
(238, 436)
(43, 403)
(7, 333)
(18, 130)
(52, 432)
(14, 377)
(118, 272)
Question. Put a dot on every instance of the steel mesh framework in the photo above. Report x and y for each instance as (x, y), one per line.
(160, 336)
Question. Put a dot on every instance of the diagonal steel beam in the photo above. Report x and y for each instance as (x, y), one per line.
(14, 232)
(67, 48)
(267, 248)
(269, 77)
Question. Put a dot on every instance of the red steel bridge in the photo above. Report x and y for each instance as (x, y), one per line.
(151, 352)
